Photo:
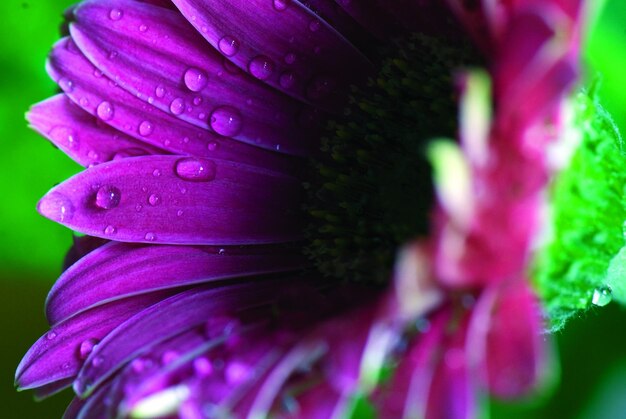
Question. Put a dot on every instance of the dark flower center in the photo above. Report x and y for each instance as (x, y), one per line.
(372, 188)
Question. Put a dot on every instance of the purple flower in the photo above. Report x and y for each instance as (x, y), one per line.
(190, 295)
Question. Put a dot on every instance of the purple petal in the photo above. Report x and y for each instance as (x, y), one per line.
(81, 136)
(178, 200)
(120, 270)
(51, 389)
(164, 320)
(282, 43)
(185, 77)
(57, 355)
(101, 97)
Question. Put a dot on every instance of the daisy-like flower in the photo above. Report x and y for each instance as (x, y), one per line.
(203, 289)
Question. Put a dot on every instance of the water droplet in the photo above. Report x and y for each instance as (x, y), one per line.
(202, 367)
(261, 67)
(65, 136)
(108, 197)
(84, 102)
(115, 14)
(159, 91)
(221, 251)
(195, 169)
(281, 5)
(320, 88)
(110, 230)
(143, 28)
(229, 46)
(146, 128)
(180, 213)
(150, 100)
(168, 357)
(154, 200)
(97, 73)
(602, 296)
(226, 121)
(195, 79)
(150, 237)
(212, 146)
(197, 101)
(183, 190)
(51, 335)
(56, 207)
(66, 85)
(129, 152)
(86, 347)
(105, 111)
(315, 25)
(291, 58)
(156, 173)
(288, 80)
(112, 55)
(236, 372)
(138, 207)
(177, 106)
(97, 361)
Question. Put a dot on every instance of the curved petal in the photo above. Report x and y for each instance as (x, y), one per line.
(82, 137)
(507, 343)
(169, 65)
(282, 43)
(57, 356)
(178, 200)
(119, 270)
(164, 320)
(87, 87)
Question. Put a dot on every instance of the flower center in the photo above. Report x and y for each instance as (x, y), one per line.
(372, 188)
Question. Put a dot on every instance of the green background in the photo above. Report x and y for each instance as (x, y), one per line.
(592, 350)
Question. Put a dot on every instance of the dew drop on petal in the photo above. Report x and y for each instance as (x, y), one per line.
(51, 335)
(602, 296)
(56, 207)
(146, 128)
(290, 58)
(154, 199)
(281, 5)
(138, 207)
(115, 14)
(110, 230)
(159, 91)
(97, 361)
(202, 367)
(226, 121)
(65, 136)
(212, 146)
(156, 173)
(143, 28)
(195, 169)
(287, 80)
(261, 67)
(150, 237)
(66, 85)
(105, 111)
(314, 26)
(108, 197)
(180, 213)
(129, 152)
(197, 101)
(177, 106)
(86, 347)
(195, 79)
(168, 357)
(229, 46)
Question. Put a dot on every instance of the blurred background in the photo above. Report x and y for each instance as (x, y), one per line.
(592, 349)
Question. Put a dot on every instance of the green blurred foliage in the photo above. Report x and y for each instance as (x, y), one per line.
(592, 350)
(29, 244)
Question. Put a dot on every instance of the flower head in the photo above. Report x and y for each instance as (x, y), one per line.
(191, 294)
